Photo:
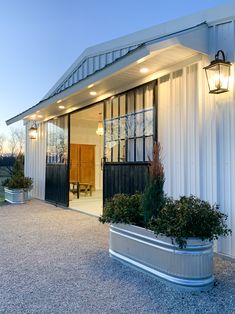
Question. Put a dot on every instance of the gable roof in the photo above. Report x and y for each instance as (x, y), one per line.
(99, 57)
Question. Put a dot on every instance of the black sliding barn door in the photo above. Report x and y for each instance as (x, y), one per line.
(127, 178)
(57, 189)
(129, 133)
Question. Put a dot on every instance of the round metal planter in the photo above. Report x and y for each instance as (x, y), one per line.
(190, 268)
(15, 196)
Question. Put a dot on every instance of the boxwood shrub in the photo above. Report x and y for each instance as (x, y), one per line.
(190, 217)
(125, 209)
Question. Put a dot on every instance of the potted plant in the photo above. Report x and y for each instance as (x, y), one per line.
(174, 241)
(17, 186)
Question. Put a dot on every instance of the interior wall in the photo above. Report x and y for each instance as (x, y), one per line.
(84, 132)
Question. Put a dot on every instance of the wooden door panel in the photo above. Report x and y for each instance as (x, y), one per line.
(73, 153)
(73, 174)
(87, 153)
(87, 161)
(82, 163)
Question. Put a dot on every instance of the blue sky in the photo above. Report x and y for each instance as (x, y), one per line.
(41, 38)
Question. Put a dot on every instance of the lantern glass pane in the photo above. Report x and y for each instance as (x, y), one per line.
(224, 76)
(218, 77)
(33, 133)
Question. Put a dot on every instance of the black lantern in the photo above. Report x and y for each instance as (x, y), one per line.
(217, 74)
(33, 131)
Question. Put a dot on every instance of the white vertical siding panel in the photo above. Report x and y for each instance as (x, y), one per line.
(224, 38)
(109, 58)
(96, 63)
(35, 162)
(102, 60)
(164, 128)
(191, 132)
(179, 131)
(84, 68)
(225, 166)
(90, 66)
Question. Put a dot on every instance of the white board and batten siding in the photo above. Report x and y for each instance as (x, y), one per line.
(197, 135)
(35, 160)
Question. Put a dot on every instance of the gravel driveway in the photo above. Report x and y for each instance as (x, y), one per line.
(54, 260)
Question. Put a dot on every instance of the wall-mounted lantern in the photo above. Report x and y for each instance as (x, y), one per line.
(33, 131)
(217, 74)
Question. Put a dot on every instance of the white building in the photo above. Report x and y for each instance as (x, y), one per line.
(146, 86)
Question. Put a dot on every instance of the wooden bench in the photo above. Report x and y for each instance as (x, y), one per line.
(77, 187)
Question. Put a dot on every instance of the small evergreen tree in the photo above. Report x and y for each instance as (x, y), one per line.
(18, 168)
(18, 180)
(154, 196)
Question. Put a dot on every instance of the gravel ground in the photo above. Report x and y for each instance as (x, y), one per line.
(54, 260)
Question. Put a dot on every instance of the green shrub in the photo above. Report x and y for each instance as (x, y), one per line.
(154, 196)
(123, 208)
(190, 217)
(18, 180)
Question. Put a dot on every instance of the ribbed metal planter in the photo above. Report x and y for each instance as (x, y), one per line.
(190, 268)
(15, 196)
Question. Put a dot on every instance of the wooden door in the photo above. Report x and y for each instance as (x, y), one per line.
(87, 164)
(82, 163)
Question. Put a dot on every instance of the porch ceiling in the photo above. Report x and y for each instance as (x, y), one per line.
(155, 62)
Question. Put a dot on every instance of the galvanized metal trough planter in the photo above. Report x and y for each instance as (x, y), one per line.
(190, 268)
(16, 196)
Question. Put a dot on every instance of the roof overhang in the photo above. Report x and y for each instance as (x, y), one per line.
(155, 55)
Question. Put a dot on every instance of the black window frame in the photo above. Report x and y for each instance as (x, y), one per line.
(154, 135)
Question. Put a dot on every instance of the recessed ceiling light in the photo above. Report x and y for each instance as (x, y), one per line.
(59, 101)
(33, 116)
(40, 116)
(144, 70)
(61, 107)
(90, 86)
(93, 93)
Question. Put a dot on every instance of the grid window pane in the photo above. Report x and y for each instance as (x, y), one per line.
(139, 124)
(115, 151)
(131, 151)
(139, 104)
(129, 125)
(148, 95)
(122, 151)
(122, 100)
(139, 149)
(108, 108)
(148, 124)
(148, 148)
(130, 102)
(115, 107)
